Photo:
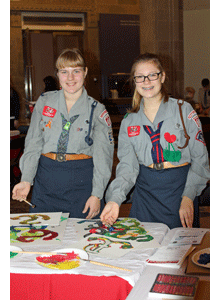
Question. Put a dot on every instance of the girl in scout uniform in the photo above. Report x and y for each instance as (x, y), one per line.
(69, 146)
(162, 152)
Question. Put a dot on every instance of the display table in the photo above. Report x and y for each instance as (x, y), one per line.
(32, 281)
(143, 285)
(68, 287)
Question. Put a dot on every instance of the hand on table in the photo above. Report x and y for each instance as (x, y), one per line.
(110, 213)
(186, 212)
(21, 190)
(94, 204)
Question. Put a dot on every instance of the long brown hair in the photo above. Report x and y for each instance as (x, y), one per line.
(146, 57)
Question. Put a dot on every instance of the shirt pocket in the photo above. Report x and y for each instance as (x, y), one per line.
(81, 133)
(46, 125)
(180, 137)
(173, 138)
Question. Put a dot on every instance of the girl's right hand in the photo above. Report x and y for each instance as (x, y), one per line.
(21, 190)
(110, 213)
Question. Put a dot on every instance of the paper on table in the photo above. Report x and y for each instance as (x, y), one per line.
(111, 247)
(128, 232)
(168, 256)
(188, 236)
(38, 235)
(36, 219)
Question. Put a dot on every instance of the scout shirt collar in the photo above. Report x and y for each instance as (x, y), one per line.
(77, 108)
(163, 113)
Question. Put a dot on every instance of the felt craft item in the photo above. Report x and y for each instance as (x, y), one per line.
(63, 259)
(60, 261)
(37, 234)
(171, 155)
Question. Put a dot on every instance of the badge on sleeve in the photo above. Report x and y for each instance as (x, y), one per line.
(108, 120)
(197, 121)
(110, 136)
(49, 112)
(104, 115)
(193, 115)
(199, 137)
(133, 130)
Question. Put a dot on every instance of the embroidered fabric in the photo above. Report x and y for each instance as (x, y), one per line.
(64, 136)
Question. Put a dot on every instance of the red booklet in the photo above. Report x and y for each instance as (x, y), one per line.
(174, 287)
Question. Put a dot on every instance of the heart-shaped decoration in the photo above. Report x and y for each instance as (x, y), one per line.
(170, 138)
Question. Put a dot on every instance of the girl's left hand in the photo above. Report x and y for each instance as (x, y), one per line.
(186, 212)
(94, 204)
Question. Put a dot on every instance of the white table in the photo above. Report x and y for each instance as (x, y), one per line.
(146, 280)
(134, 260)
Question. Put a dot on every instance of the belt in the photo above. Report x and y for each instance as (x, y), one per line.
(65, 157)
(165, 165)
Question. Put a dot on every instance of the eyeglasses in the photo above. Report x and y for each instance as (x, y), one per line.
(150, 77)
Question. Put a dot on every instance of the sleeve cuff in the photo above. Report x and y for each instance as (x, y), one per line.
(189, 192)
(27, 179)
(97, 193)
(115, 199)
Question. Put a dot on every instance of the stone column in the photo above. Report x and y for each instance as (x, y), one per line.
(16, 59)
(92, 57)
(161, 32)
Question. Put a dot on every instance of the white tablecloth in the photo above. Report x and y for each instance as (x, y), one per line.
(134, 260)
(145, 282)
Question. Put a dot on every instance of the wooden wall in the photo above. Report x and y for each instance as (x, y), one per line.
(92, 10)
(161, 31)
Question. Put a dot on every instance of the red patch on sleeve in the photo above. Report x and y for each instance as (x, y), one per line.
(133, 130)
(108, 120)
(49, 112)
(103, 114)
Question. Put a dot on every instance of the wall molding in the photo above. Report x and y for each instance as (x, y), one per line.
(16, 6)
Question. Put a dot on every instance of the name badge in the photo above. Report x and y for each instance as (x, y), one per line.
(49, 112)
(133, 130)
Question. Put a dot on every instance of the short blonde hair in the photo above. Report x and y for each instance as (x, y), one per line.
(70, 58)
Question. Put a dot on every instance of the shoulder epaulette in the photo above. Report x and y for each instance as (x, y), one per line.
(52, 92)
(125, 116)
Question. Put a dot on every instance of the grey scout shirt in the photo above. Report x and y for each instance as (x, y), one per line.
(134, 148)
(46, 127)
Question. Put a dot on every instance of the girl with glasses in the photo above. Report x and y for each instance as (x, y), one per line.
(160, 152)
